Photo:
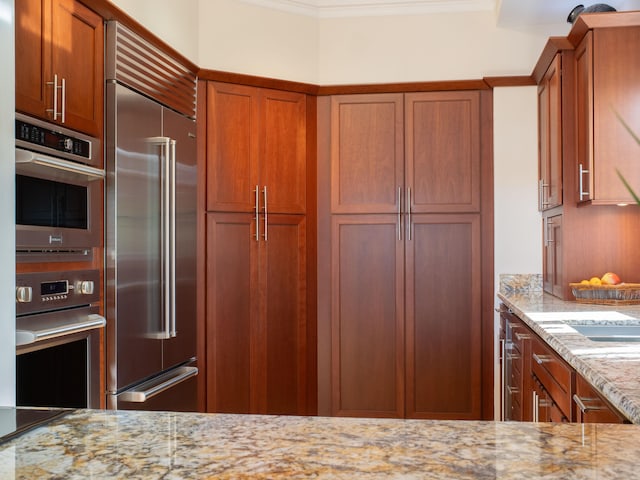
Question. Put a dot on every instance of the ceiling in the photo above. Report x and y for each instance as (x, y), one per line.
(509, 13)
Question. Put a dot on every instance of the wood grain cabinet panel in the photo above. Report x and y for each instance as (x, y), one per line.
(406, 315)
(367, 316)
(256, 140)
(443, 317)
(607, 70)
(367, 153)
(63, 41)
(442, 131)
(258, 358)
(550, 136)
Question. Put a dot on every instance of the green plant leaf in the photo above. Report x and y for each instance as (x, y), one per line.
(628, 129)
(626, 184)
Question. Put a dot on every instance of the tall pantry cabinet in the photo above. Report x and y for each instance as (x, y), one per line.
(403, 231)
(258, 342)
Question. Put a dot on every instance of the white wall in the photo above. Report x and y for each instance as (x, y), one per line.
(176, 22)
(7, 212)
(242, 38)
(450, 46)
(518, 237)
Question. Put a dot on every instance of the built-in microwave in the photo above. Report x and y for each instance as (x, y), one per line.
(59, 189)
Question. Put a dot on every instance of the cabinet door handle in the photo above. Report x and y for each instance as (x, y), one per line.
(535, 407)
(584, 408)
(264, 194)
(409, 212)
(580, 178)
(64, 100)
(54, 111)
(540, 359)
(399, 213)
(257, 212)
(543, 202)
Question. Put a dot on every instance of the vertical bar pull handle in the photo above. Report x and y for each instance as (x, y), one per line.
(409, 226)
(172, 238)
(264, 193)
(64, 100)
(399, 213)
(257, 211)
(54, 111)
(581, 182)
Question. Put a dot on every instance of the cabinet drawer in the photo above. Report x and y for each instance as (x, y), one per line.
(591, 407)
(554, 374)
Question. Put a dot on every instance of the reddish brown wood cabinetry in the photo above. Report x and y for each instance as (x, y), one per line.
(607, 70)
(586, 234)
(257, 358)
(550, 136)
(405, 249)
(60, 43)
(590, 407)
(538, 385)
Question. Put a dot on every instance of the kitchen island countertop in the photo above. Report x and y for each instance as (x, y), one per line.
(162, 445)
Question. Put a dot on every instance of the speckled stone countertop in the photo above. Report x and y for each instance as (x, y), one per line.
(613, 368)
(160, 445)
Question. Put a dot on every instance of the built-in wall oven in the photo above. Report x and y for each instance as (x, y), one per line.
(58, 332)
(59, 191)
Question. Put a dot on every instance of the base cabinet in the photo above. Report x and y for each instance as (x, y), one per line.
(591, 407)
(548, 389)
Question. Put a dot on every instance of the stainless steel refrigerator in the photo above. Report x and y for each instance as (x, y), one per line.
(150, 254)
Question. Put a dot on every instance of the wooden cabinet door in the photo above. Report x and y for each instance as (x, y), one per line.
(283, 151)
(443, 317)
(367, 317)
(231, 312)
(65, 39)
(33, 65)
(232, 147)
(552, 268)
(77, 38)
(591, 407)
(367, 153)
(607, 69)
(442, 132)
(550, 136)
(282, 329)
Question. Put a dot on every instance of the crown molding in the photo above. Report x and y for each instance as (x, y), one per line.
(365, 8)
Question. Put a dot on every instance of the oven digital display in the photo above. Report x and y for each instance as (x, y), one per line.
(60, 287)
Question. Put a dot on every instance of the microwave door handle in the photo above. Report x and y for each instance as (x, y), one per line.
(24, 157)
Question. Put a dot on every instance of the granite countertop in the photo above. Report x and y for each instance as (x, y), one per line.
(110, 444)
(613, 368)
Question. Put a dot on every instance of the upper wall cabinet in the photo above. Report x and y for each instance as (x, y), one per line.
(607, 73)
(394, 153)
(60, 72)
(257, 140)
(550, 136)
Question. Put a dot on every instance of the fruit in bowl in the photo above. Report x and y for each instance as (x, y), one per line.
(610, 278)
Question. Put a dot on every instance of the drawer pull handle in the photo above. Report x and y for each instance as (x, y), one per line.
(513, 390)
(512, 356)
(522, 336)
(580, 402)
(540, 359)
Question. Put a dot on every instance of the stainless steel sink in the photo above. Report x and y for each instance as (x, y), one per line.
(610, 333)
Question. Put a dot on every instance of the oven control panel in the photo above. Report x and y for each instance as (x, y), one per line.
(43, 291)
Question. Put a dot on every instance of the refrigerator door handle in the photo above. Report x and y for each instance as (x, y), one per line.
(150, 389)
(172, 241)
(165, 222)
